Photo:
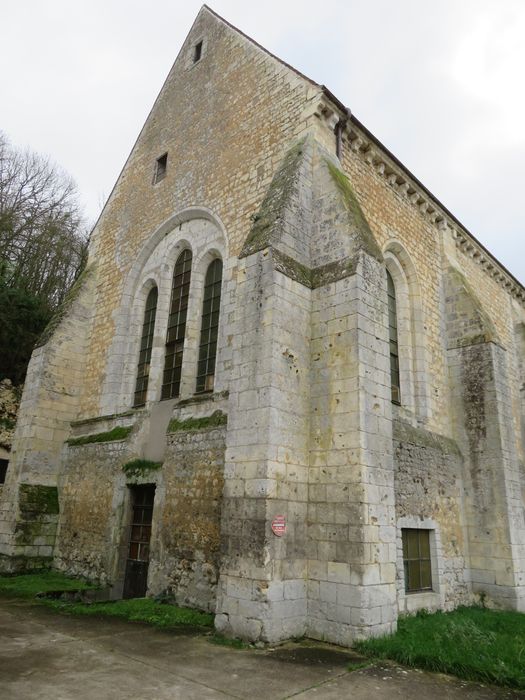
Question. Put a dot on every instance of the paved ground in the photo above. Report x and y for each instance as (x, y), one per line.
(46, 656)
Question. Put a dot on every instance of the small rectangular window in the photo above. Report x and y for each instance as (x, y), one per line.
(197, 52)
(416, 560)
(3, 469)
(160, 168)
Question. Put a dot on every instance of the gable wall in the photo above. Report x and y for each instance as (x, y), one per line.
(225, 123)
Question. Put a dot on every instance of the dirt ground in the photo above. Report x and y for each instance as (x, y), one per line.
(45, 655)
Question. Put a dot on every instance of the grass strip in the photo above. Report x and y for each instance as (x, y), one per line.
(217, 419)
(232, 642)
(140, 467)
(472, 643)
(118, 433)
(29, 585)
(148, 610)
(162, 615)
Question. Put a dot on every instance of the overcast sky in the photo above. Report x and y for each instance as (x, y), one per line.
(440, 83)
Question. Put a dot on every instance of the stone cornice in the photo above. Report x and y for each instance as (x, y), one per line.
(330, 112)
(324, 109)
(473, 250)
(411, 191)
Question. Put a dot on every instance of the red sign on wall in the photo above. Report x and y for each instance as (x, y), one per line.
(279, 525)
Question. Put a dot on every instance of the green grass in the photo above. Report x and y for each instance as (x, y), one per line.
(140, 467)
(118, 433)
(147, 610)
(216, 419)
(358, 665)
(234, 643)
(472, 643)
(28, 585)
(163, 615)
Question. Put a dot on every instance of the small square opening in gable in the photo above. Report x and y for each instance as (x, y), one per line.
(161, 166)
(197, 52)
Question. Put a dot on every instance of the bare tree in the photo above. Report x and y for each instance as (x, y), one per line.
(43, 236)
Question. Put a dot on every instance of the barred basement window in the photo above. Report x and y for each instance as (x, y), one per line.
(416, 560)
(176, 326)
(209, 327)
(392, 333)
(146, 346)
(161, 167)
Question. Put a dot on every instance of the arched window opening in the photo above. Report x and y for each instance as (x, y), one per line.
(146, 345)
(392, 333)
(176, 326)
(209, 327)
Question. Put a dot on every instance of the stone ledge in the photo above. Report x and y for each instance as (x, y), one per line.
(110, 416)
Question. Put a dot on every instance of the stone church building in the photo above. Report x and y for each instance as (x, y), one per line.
(288, 387)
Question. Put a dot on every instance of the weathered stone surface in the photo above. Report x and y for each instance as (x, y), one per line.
(9, 402)
(298, 425)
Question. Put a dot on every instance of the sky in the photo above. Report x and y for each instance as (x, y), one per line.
(441, 84)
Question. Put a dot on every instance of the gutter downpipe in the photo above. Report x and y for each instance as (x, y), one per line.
(338, 131)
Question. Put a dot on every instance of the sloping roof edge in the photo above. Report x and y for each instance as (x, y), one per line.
(353, 119)
(432, 196)
(259, 46)
(343, 108)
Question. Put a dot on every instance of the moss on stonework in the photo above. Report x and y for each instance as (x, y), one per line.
(118, 433)
(319, 276)
(36, 502)
(35, 498)
(367, 242)
(27, 532)
(291, 268)
(334, 271)
(65, 306)
(216, 419)
(140, 467)
(21, 564)
(270, 215)
(8, 423)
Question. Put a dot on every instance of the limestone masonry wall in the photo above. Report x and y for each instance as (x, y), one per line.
(268, 173)
(429, 487)
(185, 559)
(224, 123)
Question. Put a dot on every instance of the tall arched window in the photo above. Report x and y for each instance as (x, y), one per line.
(209, 327)
(176, 326)
(146, 345)
(392, 336)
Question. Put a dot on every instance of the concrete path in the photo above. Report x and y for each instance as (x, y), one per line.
(46, 656)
